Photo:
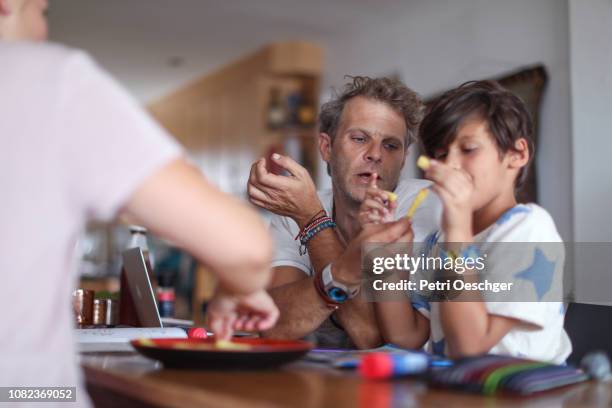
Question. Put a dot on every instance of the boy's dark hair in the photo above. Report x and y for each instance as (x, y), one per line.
(387, 90)
(506, 116)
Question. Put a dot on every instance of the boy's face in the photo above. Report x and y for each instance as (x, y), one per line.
(371, 138)
(475, 151)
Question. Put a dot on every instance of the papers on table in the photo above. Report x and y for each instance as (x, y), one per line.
(118, 339)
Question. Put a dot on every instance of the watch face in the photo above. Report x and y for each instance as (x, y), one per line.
(337, 295)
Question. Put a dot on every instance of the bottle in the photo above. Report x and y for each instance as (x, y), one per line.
(165, 295)
(276, 115)
(127, 309)
(306, 110)
(294, 101)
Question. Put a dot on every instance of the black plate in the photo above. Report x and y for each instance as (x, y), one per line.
(204, 354)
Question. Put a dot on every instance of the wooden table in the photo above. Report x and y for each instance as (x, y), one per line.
(119, 379)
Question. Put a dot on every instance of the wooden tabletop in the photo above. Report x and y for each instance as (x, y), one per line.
(119, 379)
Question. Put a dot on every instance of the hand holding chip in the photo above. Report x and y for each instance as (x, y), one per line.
(455, 187)
(378, 205)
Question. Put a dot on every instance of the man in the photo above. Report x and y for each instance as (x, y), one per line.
(76, 147)
(365, 133)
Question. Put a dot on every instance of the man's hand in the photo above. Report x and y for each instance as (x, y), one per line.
(348, 266)
(294, 196)
(377, 206)
(227, 313)
(455, 188)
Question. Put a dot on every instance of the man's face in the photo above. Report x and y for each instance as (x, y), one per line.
(371, 138)
(24, 20)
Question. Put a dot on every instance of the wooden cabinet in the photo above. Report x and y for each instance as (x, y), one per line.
(228, 108)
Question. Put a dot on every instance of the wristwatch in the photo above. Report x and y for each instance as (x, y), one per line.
(335, 291)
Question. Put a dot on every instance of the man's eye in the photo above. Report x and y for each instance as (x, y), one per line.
(358, 138)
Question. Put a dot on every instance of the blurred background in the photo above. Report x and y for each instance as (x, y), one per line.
(237, 80)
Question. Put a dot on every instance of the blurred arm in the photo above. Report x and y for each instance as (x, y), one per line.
(178, 203)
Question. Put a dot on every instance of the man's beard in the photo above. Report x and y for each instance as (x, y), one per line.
(343, 190)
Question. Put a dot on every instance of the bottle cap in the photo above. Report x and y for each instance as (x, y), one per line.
(166, 295)
(137, 228)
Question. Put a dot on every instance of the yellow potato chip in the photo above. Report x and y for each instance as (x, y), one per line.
(392, 196)
(423, 162)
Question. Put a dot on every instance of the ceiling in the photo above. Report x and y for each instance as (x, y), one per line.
(153, 46)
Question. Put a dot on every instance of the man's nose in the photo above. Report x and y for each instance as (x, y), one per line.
(374, 153)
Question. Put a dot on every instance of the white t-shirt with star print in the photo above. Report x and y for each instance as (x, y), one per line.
(538, 272)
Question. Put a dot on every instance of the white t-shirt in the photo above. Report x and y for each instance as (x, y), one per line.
(536, 270)
(75, 146)
(286, 252)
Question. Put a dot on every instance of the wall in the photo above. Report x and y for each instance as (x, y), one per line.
(591, 79)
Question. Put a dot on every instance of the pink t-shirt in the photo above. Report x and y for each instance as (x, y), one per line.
(73, 146)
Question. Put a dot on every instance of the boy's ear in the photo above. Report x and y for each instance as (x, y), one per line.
(325, 144)
(519, 157)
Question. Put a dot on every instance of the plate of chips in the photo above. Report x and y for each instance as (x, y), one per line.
(212, 354)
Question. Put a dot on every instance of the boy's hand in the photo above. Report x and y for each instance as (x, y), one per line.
(377, 206)
(227, 313)
(455, 188)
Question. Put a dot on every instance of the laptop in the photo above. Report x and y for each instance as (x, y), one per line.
(144, 298)
(142, 292)
(117, 339)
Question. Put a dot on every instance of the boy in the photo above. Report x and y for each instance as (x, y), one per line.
(479, 138)
(76, 147)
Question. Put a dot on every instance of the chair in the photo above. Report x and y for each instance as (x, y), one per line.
(589, 327)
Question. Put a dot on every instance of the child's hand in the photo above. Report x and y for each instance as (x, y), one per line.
(378, 205)
(455, 188)
(228, 312)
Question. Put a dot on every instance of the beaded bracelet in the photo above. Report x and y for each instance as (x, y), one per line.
(312, 232)
(319, 214)
(314, 221)
(312, 229)
(317, 217)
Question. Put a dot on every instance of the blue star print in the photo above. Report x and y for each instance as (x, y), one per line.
(540, 273)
